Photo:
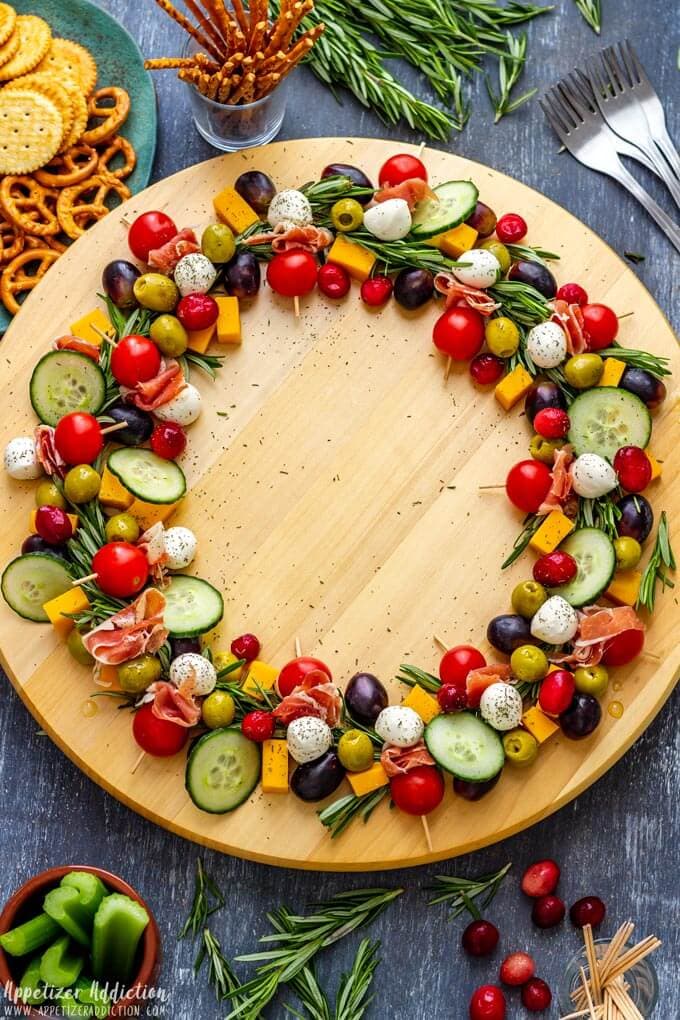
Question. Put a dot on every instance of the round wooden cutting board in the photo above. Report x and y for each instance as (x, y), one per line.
(334, 488)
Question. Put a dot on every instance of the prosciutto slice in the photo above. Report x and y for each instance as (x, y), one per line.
(175, 704)
(412, 191)
(570, 318)
(152, 544)
(561, 485)
(50, 459)
(397, 761)
(453, 291)
(285, 238)
(163, 388)
(598, 625)
(316, 696)
(132, 631)
(74, 343)
(165, 258)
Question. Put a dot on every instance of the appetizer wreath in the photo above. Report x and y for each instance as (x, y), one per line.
(104, 569)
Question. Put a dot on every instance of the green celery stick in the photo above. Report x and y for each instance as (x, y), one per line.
(91, 890)
(32, 993)
(89, 993)
(71, 1007)
(63, 906)
(30, 936)
(60, 966)
(118, 926)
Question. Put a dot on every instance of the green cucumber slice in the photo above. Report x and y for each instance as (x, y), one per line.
(606, 418)
(223, 769)
(596, 560)
(192, 606)
(456, 200)
(65, 381)
(465, 746)
(150, 478)
(29, 581)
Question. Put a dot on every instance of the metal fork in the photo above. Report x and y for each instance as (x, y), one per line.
(588, 139)
(641, 88)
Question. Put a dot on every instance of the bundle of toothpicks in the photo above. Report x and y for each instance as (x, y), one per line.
(244, 55)
(604, 992)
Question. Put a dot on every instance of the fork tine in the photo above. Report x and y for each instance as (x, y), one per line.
(625, 75)
(635, 69)
(596, 77)
(571, 100)
(553, 121)
(612, 70)
(581, 86)
(562, 110)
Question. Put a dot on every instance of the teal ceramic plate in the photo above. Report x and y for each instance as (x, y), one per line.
(119, 62)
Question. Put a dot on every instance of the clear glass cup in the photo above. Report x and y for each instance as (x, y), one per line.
(230, 128)
(642, 979)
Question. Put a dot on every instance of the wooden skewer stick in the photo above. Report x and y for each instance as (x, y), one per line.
(426, 830)
(442, 644)
(298, 648)
(421, 150)
(586, 988)
(114, 428)
(139, 761)
(296, 306)
(492, 488)
(125, 222)
(104, 336)
(447, 369)
(651, 655)
(83, 580)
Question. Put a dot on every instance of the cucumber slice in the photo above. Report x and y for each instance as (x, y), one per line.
(223, 769)
(596, 559)
(605, 418)
(455, 201)
(192, 606)
(65, 381)
(465, 746)
(31, 580)
(147, 476)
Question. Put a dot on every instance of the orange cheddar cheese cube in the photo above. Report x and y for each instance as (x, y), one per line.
(228, 321)
(369, 780)
(73, 518)
(234, 210)
(275, 766)
(422, 703)
(513, 387)
(656, 466)
(148, 514)
(539, 725)
(455, 241)
(113, 493)
(356, 260)
(73, 601)
(87, 326)
(554, 530)
(612, 371)
(261, 677)
(199, 339)
(625, 588)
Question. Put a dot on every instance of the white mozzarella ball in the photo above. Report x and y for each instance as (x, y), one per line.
(390, 220)
(483, 270)
(592, 476)
(184, 409)
(194, 274)
(555, 622)
(291, 208)
(308, 738)
(196, 668)
(21, 459)
(547, 345)
(399, 725)
(180, 547)
(501, 706)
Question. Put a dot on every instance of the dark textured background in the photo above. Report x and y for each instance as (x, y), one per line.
(618, 840)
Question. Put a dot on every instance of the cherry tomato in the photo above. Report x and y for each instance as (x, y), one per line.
(601, 326)
(246, 646)
(527, 485)
(552, 423)
(121, 568)
(623, 648)
(486, 369)
(150, 230)
(376, 291)
(457, 663)
(511, 228)
(74, 343)
(633, 467)
(418, 791)
(258, 726)
(459, 333)
(168, 440)
(555, 568)
(295, 671)
(487, 1003)
(572, 293)
(400, 168)
(135, 359)
(78, 438)
(197, 311)
(158, 737)
(292, 273)
(53, 524)
(333, 280)
(557, 691)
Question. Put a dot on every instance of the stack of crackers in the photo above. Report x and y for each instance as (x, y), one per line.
(246, 54)
(61, 157)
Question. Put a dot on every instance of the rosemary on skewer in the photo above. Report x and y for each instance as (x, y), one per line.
(406, 254)
(510, 67)
(208, 898)
(532, 523)
(661, 560)
(528, 253)
(338, 815)
(412, 675)
(322, 194)
(655, 364)
(520, 302)
(462, 893)
(87, 540)
(602, 513)
(591, 10)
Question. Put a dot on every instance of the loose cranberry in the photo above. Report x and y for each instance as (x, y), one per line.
(451, 698)
(246, 647)
(487, 1003)
(541, 878)
(633, 467)
(480, 938)
(536, 996)
(555, 568)
(197, 311)
(517, 969)
(511, 228)
(486, 369)
(557, 692)
(589, 910)
(53, 524)
(552, 423)
(548, 911)
(333, 280)
(168, 440)
(258, 726)
(572, 293)
(376, 291)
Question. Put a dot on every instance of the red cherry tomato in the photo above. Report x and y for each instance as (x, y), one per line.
(258, 726)
(623, 648)
(150, 230)
(74, 343)
(418, 791)
(246, 646)
(376, 291)
(121, 568)
(487, 1003)
(457, 663)
(197, 311)
(158, 737)
(78, 438)
(292, 273)
(555, 568)
(601, 326)
(486, 369)
(168, 440)
(552, 423)
(333, 281)
(135, 359)
(511, 228)
(527, 485)
(295, 671)
(400, 168)
(557, 691)
(633, 467)
(459, 333)
(572, 293)
(53, 524)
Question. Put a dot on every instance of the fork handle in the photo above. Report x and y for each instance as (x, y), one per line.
(670, 229)
(663, 140)
(664, 171)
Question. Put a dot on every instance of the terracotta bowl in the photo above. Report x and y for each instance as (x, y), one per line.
(27, 902)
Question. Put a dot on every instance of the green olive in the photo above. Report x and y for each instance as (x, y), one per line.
(223, 659)
(122, 528)
(157, 292)
(529, 663)
(500, 251)
(82, 484)
(584, 370)
(169, 335)
(218, 710)
(527, 598)
(592, 680)
(521, 748)
(49, 494)
(628, 552)
(217, 243)
(74, 643)
(347, 215)
(136, 675)
(355, 750)
(502, 336)
(544, 449)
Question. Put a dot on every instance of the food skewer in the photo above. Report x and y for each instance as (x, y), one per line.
(84, 580)
(104, 336)
(140, 759)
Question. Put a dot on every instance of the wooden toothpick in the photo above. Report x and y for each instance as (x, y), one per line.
(138, 763)
(447, 369)
(421, 150)
(426, 830)
(296, 306)
(442, 644)
(125, 222)
(298, 648)
(104, 336)
(83, 580)
(492, 488)
(114, 428)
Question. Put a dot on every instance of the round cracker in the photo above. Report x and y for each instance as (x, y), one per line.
(34, 42)
(9, 47)
(8, 19)
(79, 111)
(52, 89)
(30, 131)
(66, 57)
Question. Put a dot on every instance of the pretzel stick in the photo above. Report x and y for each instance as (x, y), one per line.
(266, 83)
(225, 24)
(279, 33)
(271, 63)
(257, 38)
(191, 75)
(184, 23)
(203, 61)
(167, 63)
(244, 89)
(241, 17)
(207, 26)
(300, 10)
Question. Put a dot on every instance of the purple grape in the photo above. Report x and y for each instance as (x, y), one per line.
(536, 276)
(365, 698)
(255, 188)
(118, 280)
(582, 717)
(637, 517)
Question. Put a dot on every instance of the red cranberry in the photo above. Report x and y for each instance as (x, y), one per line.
(246, 647)
(511, 228)
(572, 293)
(487, 1003)
(540, 878)
(552, 423)
(589, 910)
(53, 524)
(548, 911)
(555, 568)
(376, 291)
(333, 280)
(258, 726)
(197, 311)
(517, 969)
(480, 938)
(633, 467)
(451, 698)
(486, 369)
(536, 996)
(557, 692)
(168, 440)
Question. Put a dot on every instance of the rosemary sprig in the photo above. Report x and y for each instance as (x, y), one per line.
(655, 364)
(532, 523)
(245, 702)
(208, 363)
(311, 995)
(220, 972)
(138, 321)
(591, 10)
(510, 67)
(602, 513)
(463, 893)
(406, 254)
(208, 898)
(87, 540)
(412, 675)
(520, 302)
(528, 253)
(352, 999)
(338, 815)
(661, 560)
(557, 376)
(322, 194)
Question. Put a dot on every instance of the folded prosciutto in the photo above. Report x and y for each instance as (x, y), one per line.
(316, 696)
(163, 388)
(453, 291)
(397, 761)
(597, 627)
(132, 631)
(175, 704)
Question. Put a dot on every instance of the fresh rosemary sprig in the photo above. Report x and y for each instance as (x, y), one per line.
(462, 893)
(602, 513)
(338, 815)
(406, 254)
(138, 321)
(412, 675)
(245, 702)
(661, 560)
(532, 523)
(557, 376)
(510, 67)
(352, 999)
(208, 363)
(591, 11)
(220, 972)
(322, 194)
(208, 898)
(311, 995)
(655, 364)
(520, 302)
(87, 540)
(528, 253)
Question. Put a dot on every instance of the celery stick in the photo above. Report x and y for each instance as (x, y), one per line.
(30, 936)
(63, 906)
(32, 992)
(70, 1006)
(91, 890)
(118, 926)
(60, 966)
(88, 992)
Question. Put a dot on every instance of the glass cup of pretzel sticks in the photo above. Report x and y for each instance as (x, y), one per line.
(641, 984)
